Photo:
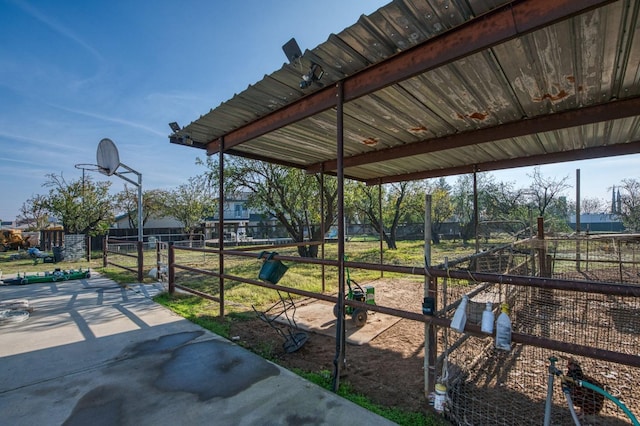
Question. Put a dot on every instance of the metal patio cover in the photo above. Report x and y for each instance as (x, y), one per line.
(443, 87)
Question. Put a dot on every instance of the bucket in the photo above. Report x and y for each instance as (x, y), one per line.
(272, 270)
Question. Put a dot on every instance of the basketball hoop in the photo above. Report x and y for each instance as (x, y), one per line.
(107, 157)
(88, 166)
(108, 161)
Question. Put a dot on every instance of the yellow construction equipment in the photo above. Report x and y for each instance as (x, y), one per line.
(12, 239)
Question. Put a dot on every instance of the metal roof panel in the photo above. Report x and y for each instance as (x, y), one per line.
(589, 59)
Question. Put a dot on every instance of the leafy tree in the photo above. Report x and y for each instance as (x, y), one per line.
(401, 202)
(191, 203)
(83, 206)
(630, 204)
(288, 194)
(497, 202)
(153, 204)
(463, 200)
(442, 207)
(34, 213)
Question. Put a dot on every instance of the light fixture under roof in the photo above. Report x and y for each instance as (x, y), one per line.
(174, 126)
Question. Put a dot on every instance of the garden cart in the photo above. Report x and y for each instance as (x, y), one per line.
(357, 293)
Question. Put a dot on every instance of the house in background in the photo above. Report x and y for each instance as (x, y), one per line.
(240, 222)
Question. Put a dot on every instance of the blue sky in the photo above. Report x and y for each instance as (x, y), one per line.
(72, 73)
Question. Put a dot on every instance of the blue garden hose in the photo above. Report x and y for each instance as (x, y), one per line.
(554, 371)
(606, 394)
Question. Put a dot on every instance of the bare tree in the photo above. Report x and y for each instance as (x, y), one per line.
(592, 205)
(34, 213)
(545, 192)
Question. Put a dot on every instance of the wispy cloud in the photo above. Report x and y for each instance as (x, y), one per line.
(40, 142)
(57, 27)
(111, 119)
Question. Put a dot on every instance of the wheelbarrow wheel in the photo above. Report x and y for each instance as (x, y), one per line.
(359, 317)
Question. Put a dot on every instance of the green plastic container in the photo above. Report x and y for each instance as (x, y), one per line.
(272, 270)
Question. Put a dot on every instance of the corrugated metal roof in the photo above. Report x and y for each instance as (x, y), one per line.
(591, 59)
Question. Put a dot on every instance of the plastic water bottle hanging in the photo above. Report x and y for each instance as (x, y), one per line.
(460, 316)
(503, 329)
(487, 319)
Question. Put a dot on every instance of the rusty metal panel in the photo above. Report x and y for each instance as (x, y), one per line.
(468, 94)
(566, 65)
(590, 59)
(630, 76)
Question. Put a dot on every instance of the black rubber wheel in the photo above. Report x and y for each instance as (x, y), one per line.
(335, 310)
(359, 317)
(24, 281)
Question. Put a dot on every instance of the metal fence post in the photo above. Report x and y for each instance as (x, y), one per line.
(171, 259)
(105, 250)
(158, 260)
(140, 260)
(88, 243)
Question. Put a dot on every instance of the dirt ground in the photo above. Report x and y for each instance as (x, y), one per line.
(389, 370)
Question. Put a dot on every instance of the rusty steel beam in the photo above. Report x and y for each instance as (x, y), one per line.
(533, 160)
(502, 24)
(545, 123)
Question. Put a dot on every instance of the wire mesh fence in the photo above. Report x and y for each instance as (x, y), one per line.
(492, 386)
(487, 386)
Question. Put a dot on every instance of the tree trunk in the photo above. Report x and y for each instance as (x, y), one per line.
(308, 251)
(390, 239)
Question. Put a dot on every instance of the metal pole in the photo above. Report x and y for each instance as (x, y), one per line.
(322, 224)
(475, 209)
(221, 225)
(140, 261)
(105, 251)
(430, 290)
(339, 359)
(158, 260)
(140, 224)
(171, 260)
(578, 212)
(140, 231)
(381, 224)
